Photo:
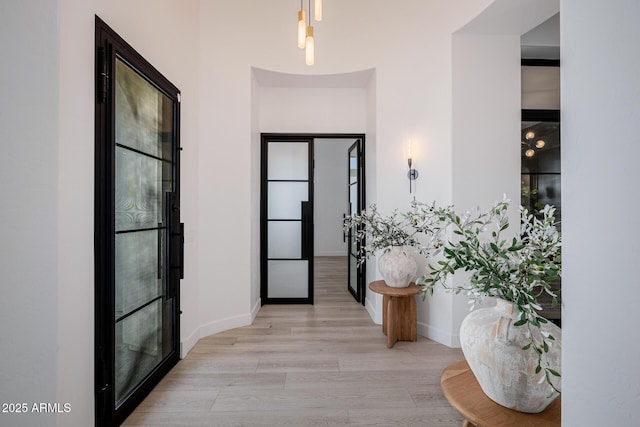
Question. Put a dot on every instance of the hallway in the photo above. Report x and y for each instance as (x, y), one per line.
(301, 365)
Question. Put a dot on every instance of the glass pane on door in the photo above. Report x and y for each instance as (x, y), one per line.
(144, 115)
(354, 206)
(143, 174)
(289, 222)
(285, 198)
(288, 161)
(288, 279)
(285, 239)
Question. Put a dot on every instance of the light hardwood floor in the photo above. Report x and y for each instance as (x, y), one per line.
(301, 365)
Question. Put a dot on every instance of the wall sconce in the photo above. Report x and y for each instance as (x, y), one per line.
(412, 174)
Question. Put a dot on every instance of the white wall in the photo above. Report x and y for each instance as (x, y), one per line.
(542, 42)
(486, 122)
(484, 159)
(410, 50)
(600, 151)
(313, 110)
(330, 195)
(30, 209)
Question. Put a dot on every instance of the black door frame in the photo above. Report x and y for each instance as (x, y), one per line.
(265, 138)
(307, 220)
(360, 292)
(107, 43)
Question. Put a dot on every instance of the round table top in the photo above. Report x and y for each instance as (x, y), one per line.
(463, 392)
(380, 287)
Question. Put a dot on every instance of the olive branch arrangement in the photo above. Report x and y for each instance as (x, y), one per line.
(518, 270)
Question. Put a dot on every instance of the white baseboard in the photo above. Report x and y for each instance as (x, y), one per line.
(439, 335)
(225, 324)
(187, 344)
(216, 326)
(255, 309)
(375, 316)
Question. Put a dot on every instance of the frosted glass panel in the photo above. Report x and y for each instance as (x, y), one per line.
(288, 279)
(142, 341)
(139, 190)
(285, 198)
(288, 160)
(144, 115)
(285, 239)
(137, 269)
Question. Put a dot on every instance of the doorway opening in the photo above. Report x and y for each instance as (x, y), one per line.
(540, 151)
(309, 183)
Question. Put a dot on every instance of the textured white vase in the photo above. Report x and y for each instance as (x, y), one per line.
(505, 372)
(397, 266)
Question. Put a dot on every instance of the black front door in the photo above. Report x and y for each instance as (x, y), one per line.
(138, 235)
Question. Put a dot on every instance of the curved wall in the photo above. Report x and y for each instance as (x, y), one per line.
(410, 96)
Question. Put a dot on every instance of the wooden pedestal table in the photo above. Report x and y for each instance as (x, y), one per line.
(463, 392)
(398, 311)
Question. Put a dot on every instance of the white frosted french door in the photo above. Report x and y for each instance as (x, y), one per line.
(287, 220)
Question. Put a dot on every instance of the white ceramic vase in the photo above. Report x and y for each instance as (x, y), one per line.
(505, 372)
(397, 267)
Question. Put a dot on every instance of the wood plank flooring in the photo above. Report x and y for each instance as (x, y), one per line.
(300, 365)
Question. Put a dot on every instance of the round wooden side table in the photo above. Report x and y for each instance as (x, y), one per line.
(398, 311)
(463, 392)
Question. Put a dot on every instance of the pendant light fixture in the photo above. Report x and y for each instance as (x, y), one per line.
(527, 144)
(317, 10)
(302, 26)
(310, 47)
(305, 29)
(309, 42)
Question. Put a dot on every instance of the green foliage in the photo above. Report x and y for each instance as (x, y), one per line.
(519, 269)
(418, 229)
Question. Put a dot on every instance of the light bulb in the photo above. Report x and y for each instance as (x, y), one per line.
(302, 29)
(540, 143)
(529, 152)
(310, 47)
(530, 135)
(317, 10)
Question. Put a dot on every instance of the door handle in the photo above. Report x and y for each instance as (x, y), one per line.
(181, 249)
(344, 235)
(305, 223)
(175, 244)
(160, 249)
